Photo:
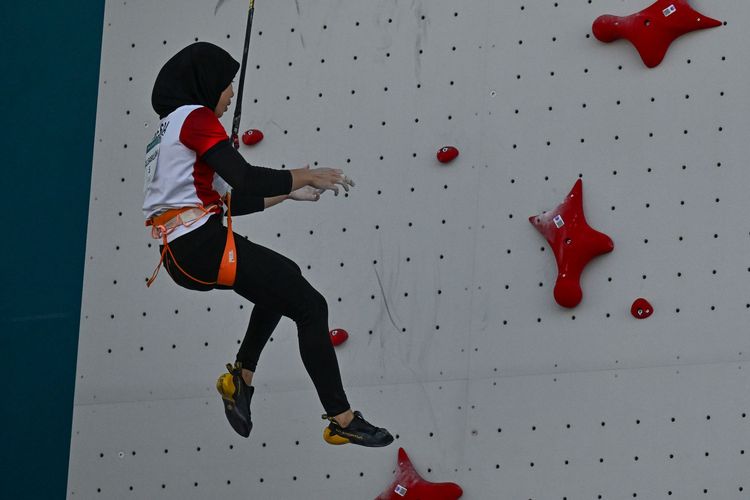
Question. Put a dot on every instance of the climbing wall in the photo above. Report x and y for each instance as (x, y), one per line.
(456, 343)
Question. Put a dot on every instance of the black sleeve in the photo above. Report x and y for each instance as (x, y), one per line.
(246, 178)
(243, 203)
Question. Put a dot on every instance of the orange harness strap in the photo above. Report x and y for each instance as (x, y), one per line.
(165, 223)
(228, 266)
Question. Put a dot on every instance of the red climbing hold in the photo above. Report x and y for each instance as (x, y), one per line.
(338, 336)
(653, 29)
(641, 309)
(447, 154)
(252, 137)
(574, 242)
(410, 485)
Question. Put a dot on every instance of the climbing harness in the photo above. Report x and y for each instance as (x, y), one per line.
(164, 224)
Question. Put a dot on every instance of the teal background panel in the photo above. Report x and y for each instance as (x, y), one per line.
(49, 86)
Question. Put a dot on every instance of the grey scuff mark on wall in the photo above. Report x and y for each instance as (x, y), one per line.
(276, 124)
(218, 6)
(386, 40)
(385, 300)
(436, 309)
(381, 336)
(421, 37)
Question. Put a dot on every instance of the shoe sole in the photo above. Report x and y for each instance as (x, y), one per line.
(334, 439)
(225, 386)
(337, 440)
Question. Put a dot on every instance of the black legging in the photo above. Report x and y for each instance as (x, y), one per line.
(276, 286)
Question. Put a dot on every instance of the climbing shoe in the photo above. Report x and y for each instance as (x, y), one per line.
(236, 396)
(359, 431)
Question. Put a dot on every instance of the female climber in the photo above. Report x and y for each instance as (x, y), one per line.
(193, 178)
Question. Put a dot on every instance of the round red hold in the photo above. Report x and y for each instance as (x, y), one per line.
(252, 137)
(447, 154)
(641, 309)
(338, 336)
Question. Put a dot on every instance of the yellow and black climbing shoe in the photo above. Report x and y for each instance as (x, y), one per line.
(236, 396)
(359, 431)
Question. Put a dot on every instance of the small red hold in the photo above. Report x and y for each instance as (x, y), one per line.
(447, 154)
(252, 137)
(641, 309)
(338, 336)
(410, 485)
(653, 29)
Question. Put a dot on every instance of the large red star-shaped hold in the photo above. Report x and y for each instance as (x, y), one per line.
(574, 242)
(654, 28)
(410, 485)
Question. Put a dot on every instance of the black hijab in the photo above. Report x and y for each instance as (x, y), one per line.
(197, 74)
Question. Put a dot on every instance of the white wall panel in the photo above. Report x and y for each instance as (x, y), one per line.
(457, 345)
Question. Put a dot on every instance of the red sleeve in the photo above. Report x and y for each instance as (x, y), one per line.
(202, 130)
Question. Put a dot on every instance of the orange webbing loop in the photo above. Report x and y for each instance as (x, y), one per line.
(161, 259)
(161, 220)
(228, 266)
(174, 260)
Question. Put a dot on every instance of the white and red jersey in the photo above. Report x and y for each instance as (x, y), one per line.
(176, 176)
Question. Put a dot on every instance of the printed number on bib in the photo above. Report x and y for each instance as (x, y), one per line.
(152, 153)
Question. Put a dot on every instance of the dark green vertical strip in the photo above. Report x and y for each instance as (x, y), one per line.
(49, 84)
